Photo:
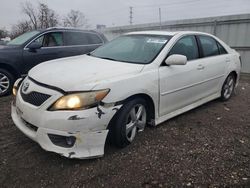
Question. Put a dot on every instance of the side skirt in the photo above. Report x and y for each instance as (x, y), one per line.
(186, 108)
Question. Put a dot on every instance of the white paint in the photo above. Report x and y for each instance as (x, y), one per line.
(176, 59)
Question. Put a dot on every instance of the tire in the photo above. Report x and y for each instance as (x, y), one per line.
(128, 122)
(6, 82)
(228, 87)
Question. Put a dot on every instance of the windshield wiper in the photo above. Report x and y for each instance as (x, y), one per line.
(108, 58)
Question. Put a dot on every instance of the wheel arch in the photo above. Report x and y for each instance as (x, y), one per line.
(234, 73)
(148, 100)
(10, 69)
(150, 107)
(150, 119)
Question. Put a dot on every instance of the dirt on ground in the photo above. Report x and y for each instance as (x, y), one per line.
(206, 147)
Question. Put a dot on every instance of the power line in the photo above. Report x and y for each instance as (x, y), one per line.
(131, 15)
(158, 5)
(119, 11)
(167, 4)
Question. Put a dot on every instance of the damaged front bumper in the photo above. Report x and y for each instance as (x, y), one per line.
(73, 134)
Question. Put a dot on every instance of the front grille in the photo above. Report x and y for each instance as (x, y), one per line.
(35, 98)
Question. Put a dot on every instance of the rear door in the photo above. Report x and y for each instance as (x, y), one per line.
(214, 61)
(78, 43)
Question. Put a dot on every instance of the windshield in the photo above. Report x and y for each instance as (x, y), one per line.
(23, 38)
(140, 49)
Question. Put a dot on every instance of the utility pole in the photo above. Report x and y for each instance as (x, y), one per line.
(160, 16)
(131, 15)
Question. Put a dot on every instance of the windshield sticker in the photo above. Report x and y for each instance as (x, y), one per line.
(160, 41)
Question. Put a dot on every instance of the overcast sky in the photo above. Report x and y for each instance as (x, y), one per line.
(116, 12)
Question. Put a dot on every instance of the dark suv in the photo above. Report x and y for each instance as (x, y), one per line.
(32, 48)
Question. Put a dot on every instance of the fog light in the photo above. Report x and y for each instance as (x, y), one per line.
(62, 141)
(70, 140)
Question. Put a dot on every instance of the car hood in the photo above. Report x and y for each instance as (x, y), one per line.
(81, 73)
(8, 47)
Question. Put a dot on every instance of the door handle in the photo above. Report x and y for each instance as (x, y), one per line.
(227, 59)
(200, 67)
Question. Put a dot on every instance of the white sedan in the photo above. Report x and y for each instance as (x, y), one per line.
(70, 106)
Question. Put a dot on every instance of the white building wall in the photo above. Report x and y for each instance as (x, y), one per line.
(234, 30)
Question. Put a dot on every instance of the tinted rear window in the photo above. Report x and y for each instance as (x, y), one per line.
(221, 49)
(209, 46)
(94, 38)
(75, 38)
(81, 38)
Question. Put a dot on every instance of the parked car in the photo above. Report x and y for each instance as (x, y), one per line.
(32, 48)
(137, 79)
(2, 42)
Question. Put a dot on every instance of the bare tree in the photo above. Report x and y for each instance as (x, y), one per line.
(20, 28)
(47, 17)
(76, 19)
(40, 17)
(32, 14)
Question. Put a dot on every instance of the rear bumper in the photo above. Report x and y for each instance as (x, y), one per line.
(88, 143)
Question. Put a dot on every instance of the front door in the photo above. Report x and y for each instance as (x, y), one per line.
(180, 85)
(51, 49)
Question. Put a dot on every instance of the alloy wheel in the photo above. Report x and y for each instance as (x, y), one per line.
(228, 87)
(4, 83)
(136, 120)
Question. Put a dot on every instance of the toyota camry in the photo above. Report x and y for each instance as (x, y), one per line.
(72, 105)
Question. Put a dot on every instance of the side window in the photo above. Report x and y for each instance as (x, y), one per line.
(51, 39)
(221, 49)
(186, 46)
(209, 46)
(75, 38)
(94, 38)
(40, 40)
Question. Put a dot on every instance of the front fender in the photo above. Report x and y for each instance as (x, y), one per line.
(123, 88)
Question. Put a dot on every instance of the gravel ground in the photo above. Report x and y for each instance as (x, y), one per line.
(206, 147)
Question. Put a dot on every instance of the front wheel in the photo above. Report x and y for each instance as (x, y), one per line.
(6, 82)
(131, 118)
(228, 87)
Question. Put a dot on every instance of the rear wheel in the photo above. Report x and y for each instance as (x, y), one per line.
(6, 82)
(228, 87)
(131, 118)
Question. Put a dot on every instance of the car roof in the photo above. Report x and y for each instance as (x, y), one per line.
(169, 33)
(66, 29)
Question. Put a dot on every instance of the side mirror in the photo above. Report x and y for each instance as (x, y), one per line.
(34, 46)
(176, 59)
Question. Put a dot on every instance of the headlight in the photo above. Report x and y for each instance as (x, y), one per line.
(79, 101)
(16, 86)
(14, 91)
